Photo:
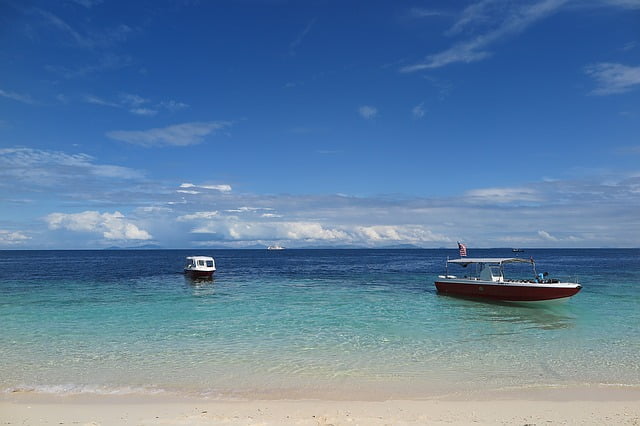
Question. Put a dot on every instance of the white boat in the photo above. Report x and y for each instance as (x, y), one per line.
(486, 280)
(275, 247)
(200, 267)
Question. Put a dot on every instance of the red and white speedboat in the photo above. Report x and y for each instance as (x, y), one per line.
(200, 267)
(485, 279)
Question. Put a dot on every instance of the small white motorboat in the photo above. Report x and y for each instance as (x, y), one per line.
(200, 267)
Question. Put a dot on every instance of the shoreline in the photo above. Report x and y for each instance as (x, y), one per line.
(566, 405)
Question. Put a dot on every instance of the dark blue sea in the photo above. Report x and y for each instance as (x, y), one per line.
(306, 323)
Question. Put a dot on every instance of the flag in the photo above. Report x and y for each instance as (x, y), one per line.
(463, 249)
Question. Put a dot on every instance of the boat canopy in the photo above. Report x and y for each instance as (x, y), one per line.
(199, 258)
(493, 260)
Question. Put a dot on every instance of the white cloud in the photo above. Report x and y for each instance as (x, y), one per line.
(172, 105)
(221, 188)
(270, 215)
(418, 111)
(502, 22)
(613, 78)
(106, 62)
(267, 227)
(368, 112)
(247, 209)
(143, 111)
(98, 101)
(136, 104)
(91, 39)
(25, 99)
(398, 233)
(177, 135)
(503, 195)
(10, 238)
(153, 210)
(35, 167)
(132, 100)
(198, 216)
(590, 211)
(298, 41)
(230, 228)
(547, 236)
(87, 3)
(416, 12)
(113, 226)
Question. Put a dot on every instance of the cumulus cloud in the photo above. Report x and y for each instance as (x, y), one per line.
(590, 211)
(398, 233)
(269, 227)
(230, 228)
(11, 238)
(113, 226)
(488, 217)
(184, 134)
(546, 236)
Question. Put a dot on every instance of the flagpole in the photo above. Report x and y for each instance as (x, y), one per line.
(446, 268)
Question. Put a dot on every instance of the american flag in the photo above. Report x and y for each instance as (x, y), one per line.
(463, 249)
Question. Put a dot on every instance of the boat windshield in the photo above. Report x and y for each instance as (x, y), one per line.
(210, 263)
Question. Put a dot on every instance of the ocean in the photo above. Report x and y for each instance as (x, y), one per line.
(357, 324)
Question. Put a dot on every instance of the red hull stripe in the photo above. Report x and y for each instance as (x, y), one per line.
(505, 292)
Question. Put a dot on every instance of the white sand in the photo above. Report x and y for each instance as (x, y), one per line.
(582, 406)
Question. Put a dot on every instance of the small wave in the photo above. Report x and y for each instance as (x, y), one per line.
(74, 389)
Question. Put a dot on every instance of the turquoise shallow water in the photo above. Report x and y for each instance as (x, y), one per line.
(305, 323)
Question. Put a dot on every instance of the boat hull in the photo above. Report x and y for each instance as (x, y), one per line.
(193, 273)
(508, 292)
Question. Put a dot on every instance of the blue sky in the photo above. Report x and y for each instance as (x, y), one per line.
(196, 124)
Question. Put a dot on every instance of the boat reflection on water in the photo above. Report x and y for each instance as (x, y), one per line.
(514, 317)
(540, 318)
(196, 281)
(200, 286)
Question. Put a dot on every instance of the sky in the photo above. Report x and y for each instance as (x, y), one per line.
(319, 123)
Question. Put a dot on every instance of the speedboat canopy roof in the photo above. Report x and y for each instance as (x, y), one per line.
(199, 258)
(494, 260)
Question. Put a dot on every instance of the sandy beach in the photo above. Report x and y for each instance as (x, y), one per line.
(578, 406)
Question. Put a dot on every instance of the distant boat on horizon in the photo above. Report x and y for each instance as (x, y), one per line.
(275, 247)
(517, 250)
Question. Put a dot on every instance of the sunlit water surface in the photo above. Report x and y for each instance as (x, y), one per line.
(305, 323)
